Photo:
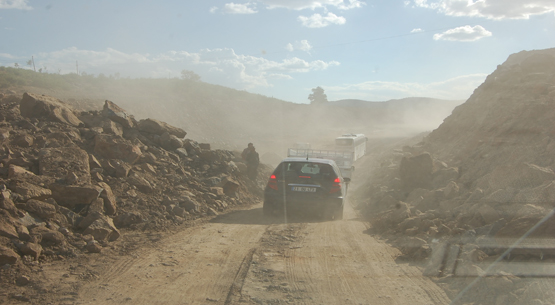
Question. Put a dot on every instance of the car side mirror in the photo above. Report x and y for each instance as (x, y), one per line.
(346, 179)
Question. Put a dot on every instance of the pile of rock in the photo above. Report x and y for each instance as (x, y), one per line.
(70, 181)
(480, 181)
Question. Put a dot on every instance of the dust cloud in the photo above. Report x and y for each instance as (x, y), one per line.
(229, 119)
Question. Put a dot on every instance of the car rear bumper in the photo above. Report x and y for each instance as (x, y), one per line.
(319, 205)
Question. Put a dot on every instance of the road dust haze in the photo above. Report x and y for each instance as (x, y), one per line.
(467, 204)
(229, 119)
(166, 232)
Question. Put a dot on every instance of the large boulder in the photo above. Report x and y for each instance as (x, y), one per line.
(115, 168)
(92, 119)
(31, 249)
(416, 172)
(59, 162)
(93, 246)
(229, 185)
(140, 183)
(115, 147)
(42, 209)
(18, 172)
(8, 256)
(23, 140)
(90, 218)
(443, 176)
(117, 114)
(7, 229)
(29, 191)
(71, 195)
(38, 106)
(191, 147)
(6, 202)
(190, 205)
(60, 139)
(28, 221)
(96, 206)
(153, 126)
(112, 127)
(128, 219)
(110, 206)
(182, 152)
(170, 142)
(103, 228)
(48, 237)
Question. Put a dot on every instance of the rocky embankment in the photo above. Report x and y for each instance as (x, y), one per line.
(464, 196)
(71, 183)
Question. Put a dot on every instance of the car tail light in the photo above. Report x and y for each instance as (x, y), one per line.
(336, 186)
(272, 183)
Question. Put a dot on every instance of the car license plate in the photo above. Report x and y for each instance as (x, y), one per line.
(304, 189)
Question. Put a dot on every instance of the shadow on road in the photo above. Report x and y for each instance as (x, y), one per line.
(255, 217)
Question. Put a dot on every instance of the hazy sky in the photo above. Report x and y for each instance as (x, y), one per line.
(373, 49)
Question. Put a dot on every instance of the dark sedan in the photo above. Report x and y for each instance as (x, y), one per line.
(306, 185)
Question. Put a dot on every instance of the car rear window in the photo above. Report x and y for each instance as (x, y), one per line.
(305, 168)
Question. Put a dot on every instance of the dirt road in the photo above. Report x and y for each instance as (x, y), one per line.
(241, 257)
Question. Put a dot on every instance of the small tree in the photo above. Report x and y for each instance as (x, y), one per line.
(317, 97)
(190, 75)
(16, 65)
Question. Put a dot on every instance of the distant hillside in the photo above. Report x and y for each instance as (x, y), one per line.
(356, 103)
(420, 113)
(395, 102)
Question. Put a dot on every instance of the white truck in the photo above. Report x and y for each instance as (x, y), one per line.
(343, 159)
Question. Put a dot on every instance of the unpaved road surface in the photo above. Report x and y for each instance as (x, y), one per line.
(243, 258)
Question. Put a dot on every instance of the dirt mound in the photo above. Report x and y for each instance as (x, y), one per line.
(469, 190)
(72, 183)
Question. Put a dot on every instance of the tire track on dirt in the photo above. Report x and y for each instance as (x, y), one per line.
(200, 265)
(335, 263)
(234, 294)
(121, 266)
